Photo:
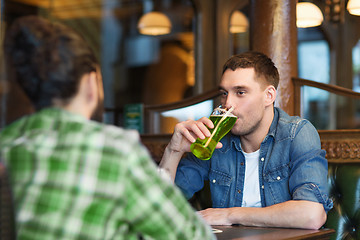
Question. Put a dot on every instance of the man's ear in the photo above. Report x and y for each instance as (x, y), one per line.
(99, 82)
(92, 86)
(270, 96)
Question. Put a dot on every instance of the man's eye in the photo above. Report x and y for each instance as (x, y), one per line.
(224, 94)
(240, 92)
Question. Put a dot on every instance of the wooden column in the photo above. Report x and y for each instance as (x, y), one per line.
(273, 32)
(205, 43)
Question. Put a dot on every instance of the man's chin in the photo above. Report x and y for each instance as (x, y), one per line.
(239, 131)
(234, 131)
(236, 128)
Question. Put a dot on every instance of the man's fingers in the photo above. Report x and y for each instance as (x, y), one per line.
(188, 131)
(185, 132)
(207, 122)
(197, 129)
(203, 125)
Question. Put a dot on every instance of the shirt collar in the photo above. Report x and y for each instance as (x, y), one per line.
(60, 113)
(273, 125)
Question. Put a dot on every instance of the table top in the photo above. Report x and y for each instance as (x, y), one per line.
(264, 233)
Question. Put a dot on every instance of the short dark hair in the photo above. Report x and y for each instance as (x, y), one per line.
(262, 64)
(46, 59)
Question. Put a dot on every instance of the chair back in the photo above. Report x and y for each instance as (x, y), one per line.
(7, 210)
(342, 151)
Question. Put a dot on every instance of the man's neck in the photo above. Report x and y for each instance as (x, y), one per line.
(85, 100)
(74, 106)
(251, 142)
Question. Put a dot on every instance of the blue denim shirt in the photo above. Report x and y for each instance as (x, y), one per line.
(292, 166)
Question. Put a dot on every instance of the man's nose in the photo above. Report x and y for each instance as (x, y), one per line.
(228, 103)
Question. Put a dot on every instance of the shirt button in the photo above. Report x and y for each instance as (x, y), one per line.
(262, 186)
(262, 159)
(278, 178)
(239, 191)
(242, 164)
(214, 181)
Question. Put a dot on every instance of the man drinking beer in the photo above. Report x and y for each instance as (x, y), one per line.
(269, 170)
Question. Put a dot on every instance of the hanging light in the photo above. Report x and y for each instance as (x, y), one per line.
(353, 7)
(154, 23)
(308, 15)
(238, 22)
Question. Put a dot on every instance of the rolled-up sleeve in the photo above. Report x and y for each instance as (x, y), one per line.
(309, 167)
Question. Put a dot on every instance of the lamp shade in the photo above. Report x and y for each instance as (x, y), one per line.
(154, 23)
(353, 7)
(238, 22)
(308, 15)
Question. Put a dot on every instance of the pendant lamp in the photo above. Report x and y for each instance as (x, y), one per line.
(154, 23)
(308, 15)
(353, 7)
(238, 22)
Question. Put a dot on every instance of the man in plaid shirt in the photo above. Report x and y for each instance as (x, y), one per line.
(74, 178)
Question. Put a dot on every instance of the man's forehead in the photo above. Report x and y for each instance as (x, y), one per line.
(239, 75)
(240, 78)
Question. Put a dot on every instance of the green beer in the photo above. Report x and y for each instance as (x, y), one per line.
(204, 148)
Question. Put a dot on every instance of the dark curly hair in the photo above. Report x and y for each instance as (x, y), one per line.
(262, 64)
(47, 59)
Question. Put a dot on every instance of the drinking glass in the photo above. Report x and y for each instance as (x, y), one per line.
(223, 121)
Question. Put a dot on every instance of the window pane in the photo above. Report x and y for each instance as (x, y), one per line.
(356, 67)
(314, 60)
(314, 64)
(330, 111)
(170, 118)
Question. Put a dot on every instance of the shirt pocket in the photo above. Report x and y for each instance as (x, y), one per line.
(278, 183)
(220, 186)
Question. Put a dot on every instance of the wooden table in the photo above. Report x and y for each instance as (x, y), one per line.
(261, 233)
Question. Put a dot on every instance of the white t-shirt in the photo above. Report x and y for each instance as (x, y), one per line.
(251, 193)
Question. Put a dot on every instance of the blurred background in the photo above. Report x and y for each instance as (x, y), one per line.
(162, 51)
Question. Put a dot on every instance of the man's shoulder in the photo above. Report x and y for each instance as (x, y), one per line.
(119, 132)
(286, 118)
(57, 122)
(291, 122)
(10, 131)
(290, 125)
(115, 134)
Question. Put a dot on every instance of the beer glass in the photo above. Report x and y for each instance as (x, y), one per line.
(223, 121)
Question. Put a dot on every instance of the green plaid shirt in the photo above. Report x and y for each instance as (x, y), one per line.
(77, 179)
